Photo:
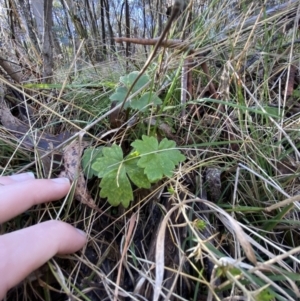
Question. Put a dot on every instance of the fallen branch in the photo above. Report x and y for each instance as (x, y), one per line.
(178, 44)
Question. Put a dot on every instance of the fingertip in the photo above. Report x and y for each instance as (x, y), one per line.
(69, 239)
(16, 178)
(27, 249)
(20, 196)
(80, 240)
(82, 233)
(23, 176)
(61, 180)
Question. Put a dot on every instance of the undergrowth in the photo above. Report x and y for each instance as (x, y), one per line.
(223, 224)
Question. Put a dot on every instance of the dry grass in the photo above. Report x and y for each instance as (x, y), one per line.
(209, 232)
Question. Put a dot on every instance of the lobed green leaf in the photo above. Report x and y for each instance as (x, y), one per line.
(116, 172)
(128, 80)
(120, 95)
(142, 103)
(89, 157)
(111, 160)
(136, 174)
(116, 187)
(158, 160)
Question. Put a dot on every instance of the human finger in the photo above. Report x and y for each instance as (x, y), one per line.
(23, 251)
(6, 180)
(20, 196)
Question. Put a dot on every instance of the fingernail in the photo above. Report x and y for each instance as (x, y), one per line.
(61, 180)
(81, 232)
(23, 176)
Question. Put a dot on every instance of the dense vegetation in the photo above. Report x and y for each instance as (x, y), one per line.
(205, 153)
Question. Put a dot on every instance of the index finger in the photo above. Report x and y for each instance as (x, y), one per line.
(12, 179)
(19, 197)
(23, 251)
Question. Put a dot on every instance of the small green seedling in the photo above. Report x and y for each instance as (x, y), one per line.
(142, 100)
(148, 162)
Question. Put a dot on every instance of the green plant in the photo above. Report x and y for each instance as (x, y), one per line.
(90, 155)
(139, 102)
(148, 162)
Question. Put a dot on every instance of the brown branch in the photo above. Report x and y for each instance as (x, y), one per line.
(178, 44)
(212, 89)
(15, 74)
(291, 81)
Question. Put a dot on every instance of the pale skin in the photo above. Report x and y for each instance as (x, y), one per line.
(23, 251)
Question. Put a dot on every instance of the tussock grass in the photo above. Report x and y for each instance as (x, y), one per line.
(205, 233)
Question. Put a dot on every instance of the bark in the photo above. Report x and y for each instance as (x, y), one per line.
(94, 28)
(28, 26)
(151, 17)
(38, 13)
(95, 36)
(127, 22)
(159, 17)
(66, 22)
(110, 30)
(144, 27)
(102, 15)
(47, 42)
(119, 21)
